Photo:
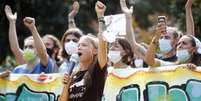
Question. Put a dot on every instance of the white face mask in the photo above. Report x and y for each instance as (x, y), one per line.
(71, 47)
(138, 63)
(114, 56)
(165, 45)
(182, 55)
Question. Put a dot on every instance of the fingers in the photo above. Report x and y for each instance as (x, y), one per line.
(123, 3)
(191, 66)
(76, 5)
(100, 5)
(5, 74)
(161, 28)
(7, 9)
(100, 9)
(67, 79)
(29, 22)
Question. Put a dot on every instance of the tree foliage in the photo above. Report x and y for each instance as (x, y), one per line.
(51, 15)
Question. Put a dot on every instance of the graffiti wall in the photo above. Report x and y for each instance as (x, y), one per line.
(158, 84)
(29, 88)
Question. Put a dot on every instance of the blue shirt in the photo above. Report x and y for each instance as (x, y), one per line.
(37, 69)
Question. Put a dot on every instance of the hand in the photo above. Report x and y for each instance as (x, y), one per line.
(100, 9)
(75, 10)
(9, 14)
(67, 79)
(29, 22)
(5, 74)
(189, 4)
(161, 29)
(191, 66)
(125, 9)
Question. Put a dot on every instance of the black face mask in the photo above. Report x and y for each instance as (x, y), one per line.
(49, 51)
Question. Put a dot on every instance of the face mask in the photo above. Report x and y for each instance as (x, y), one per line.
(182, 55)
(71, 47)
(138, 63)
(165, 45)
(114, 56)
(29, 55)
(49, 51)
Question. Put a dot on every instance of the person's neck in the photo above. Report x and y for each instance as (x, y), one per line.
(120, 65)
(84, 65)
(31, 64)
(169, 54)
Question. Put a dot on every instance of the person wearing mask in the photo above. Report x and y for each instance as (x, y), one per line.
(69, 44)
(93, 67)
(70, 39)
(34, 53)
(187, 51)
(137, 48)
(53, 48)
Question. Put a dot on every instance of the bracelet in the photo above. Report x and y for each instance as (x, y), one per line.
(70, 21)
(101, 19)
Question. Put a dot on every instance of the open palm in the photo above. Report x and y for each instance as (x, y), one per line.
(9, 13)
(124, 7)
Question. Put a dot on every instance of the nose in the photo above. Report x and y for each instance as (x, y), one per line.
(179, 46)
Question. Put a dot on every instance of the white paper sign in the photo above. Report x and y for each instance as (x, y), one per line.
(115, 25)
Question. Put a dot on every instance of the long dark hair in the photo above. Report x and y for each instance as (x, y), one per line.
(73, 31)
(127, 59)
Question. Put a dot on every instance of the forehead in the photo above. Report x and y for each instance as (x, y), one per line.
(29, 42)
(70, 36)
(47, 40)
(184, 38)
(84, 40)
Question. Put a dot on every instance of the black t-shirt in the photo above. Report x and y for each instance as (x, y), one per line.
(79, 91)
(170, 59)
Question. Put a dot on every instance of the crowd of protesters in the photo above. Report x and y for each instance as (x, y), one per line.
(97, 57)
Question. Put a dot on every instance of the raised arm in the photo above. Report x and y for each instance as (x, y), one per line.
(129, 29)
(72, 14)
(102, 46)
(39, 45)
(150, 55)
(13, 40)
(189, 18)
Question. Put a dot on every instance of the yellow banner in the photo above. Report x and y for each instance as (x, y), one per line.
(158, 84)
(19, 87)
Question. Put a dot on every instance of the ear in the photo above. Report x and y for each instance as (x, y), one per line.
(193, 50)
(95, 51)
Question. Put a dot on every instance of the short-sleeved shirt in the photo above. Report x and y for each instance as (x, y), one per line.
(37, 69)
(79, 90)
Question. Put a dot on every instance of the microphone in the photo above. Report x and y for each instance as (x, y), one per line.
(74, 59)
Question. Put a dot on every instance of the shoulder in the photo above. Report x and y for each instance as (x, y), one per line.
(19, 68)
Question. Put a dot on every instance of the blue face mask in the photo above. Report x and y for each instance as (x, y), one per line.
(165, 45)
(182, 55)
